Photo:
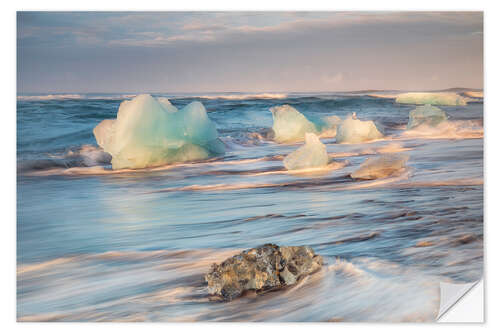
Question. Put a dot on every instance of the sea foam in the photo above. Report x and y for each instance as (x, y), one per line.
(245, 96)
(48, 97)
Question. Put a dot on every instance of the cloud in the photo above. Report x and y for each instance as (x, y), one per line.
(252, 51)
(197, 26)
(160, 29)
(332, 79)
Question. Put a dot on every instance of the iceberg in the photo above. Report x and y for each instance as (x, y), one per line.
(381, 167)
(440, 98)
(151, 132)
(311, 155)
(427, 114)
(353, 130)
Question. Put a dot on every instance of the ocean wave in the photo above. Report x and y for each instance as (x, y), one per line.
(160, 285)
(89, 160)
(391, 147)
(49, 97)
(334, 165)
(89, 155)
(377, 183)
(388, 96)
(457, 129)
(245, 96)
(474, 94)
(339, 183)
(247, 139)
(440, 183)
(86, 156)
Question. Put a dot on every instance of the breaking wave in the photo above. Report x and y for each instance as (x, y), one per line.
(49, 97)
(159, 285)
(245, 96)
(93, 161)
(458, 129)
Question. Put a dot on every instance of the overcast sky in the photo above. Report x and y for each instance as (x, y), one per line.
(247, 51)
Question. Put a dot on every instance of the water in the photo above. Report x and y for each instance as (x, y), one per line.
(96, 244)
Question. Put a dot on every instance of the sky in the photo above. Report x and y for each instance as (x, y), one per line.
(113, 52)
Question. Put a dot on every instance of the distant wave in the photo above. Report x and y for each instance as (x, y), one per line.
(340, 183)
(474, 94)
(389, 96)
(49, 97)
(85, 157)
(245, 96)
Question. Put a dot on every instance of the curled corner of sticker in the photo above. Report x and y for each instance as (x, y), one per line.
(451, 293)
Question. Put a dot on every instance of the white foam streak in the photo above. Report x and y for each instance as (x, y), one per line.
(73, 96)
(246, 96)
(459, 129)
(49, 97)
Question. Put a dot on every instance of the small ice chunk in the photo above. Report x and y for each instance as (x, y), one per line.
(353, 130)
(427, 114)
(289, 125)
(332, 121)
(329, 126)
(311, 155)
(381, 167)
(150, 132)
(438, 98)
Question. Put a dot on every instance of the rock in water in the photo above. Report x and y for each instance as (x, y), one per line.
(311, 155)
(427, 114)
(262, 268)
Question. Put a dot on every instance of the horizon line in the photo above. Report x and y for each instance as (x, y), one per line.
(249, 91)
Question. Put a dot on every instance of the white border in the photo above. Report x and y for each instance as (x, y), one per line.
(8, 132)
